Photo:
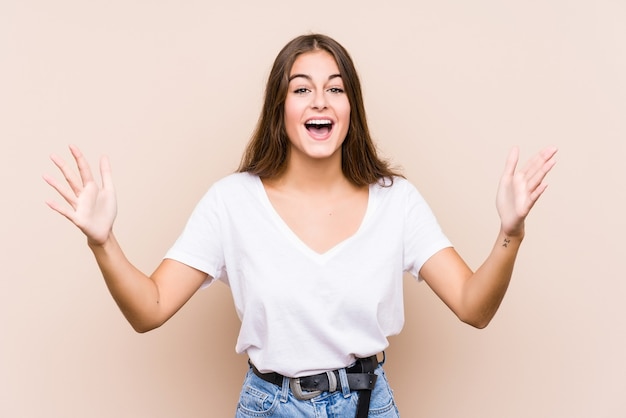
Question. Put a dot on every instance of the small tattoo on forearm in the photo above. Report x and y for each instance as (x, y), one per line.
(506, 242)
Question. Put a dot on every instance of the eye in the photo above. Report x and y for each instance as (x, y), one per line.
(301, 90)
(336, 90)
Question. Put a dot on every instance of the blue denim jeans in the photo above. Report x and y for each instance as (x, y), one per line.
(263, 399)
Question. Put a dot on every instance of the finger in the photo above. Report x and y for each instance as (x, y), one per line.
(536, 163)
(83, 167)
(68, 173)
(69, 198)
(105, 173)
(534, 196)
(61, 209)
(511, 161)
(536, 178)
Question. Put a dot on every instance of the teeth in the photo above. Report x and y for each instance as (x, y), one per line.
(319, 122)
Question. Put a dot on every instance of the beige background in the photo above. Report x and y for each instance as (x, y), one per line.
(171, 90)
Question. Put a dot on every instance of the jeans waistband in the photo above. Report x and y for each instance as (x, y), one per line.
(360, 377)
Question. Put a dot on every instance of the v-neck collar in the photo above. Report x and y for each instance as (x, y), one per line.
(296, 240)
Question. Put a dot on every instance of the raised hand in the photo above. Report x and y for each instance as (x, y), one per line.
(519, 190)
(92, 207)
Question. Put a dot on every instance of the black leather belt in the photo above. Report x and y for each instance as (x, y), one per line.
(360, 376)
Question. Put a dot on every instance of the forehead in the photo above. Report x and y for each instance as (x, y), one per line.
(315, 63)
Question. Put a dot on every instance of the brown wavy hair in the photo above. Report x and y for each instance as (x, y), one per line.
(267, 151)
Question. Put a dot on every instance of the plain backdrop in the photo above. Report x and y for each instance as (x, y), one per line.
(170, 90)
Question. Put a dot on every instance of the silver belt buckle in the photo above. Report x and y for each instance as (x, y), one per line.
(294, 384)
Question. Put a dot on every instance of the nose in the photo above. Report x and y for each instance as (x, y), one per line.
(319, 100)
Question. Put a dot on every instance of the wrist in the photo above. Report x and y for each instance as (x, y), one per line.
(511, 236)
(100, 243)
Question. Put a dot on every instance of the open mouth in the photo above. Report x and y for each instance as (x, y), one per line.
(319, 126)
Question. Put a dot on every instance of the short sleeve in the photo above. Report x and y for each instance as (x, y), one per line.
(423, 236)
(200, 243)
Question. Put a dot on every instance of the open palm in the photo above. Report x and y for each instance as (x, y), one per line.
(519, 190)
(92, 207)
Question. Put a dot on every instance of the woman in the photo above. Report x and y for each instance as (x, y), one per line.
(312, 235)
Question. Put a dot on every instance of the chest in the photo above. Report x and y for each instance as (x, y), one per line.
(321, 222)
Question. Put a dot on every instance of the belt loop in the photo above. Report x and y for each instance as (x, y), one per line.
(345, 387)
(384, 359)
(285, 390)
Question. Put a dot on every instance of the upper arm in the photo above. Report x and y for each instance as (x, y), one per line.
(446, 274)
(176, 282)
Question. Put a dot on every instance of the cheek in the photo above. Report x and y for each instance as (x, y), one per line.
(291, 121)
(288, 116)
(343, 107)
(345, 113)
(346, 125)
(292, 113)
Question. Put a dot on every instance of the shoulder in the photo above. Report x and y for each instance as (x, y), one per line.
(236, 180)
(394, 186)
(234, 184)
(231, 189)
(401, 194)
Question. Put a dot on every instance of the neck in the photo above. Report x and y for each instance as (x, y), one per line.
(309, 175)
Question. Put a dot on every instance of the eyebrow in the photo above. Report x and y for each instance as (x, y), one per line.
(308, 77)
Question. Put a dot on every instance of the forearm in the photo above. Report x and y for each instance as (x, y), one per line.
(146, 302)
(476, 296)
(484, 290)
(134, 292)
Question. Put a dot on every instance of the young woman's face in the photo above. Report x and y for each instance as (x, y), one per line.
(317, 110)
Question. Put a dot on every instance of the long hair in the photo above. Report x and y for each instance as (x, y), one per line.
(267, 151)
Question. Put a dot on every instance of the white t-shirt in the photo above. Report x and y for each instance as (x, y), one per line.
(303, 312)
